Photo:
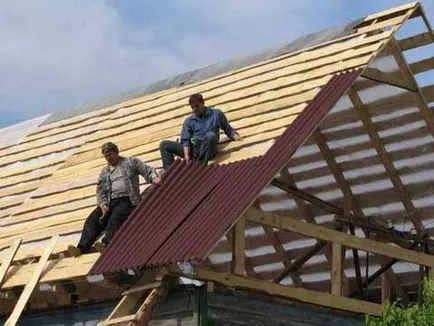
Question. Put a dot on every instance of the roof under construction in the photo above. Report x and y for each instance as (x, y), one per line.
(329, 191)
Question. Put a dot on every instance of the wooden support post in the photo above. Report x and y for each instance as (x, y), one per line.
(239, 258)
(337, 269)
(385, 288)
(7, 260)
(28, 289)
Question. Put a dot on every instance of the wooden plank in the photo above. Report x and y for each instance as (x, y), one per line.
(141, 288)
(239, 258)
(31, 167)
(45, 141)
(30, 284)
(394, 10)
(385, 289)
(385, 158)
(46, 150)
(308, 296)
(7, 260)
(323, 233)
(336, 269)
(382, 77)
(118, 321)
(415, 41)
(60, 269)
(309, 72)
(394, 21)
(422, 66)
(74, 122)
(428, 92)
(44, 224)
(144, 314)
(323, 50)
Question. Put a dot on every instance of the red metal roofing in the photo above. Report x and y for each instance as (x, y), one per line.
(186, 216)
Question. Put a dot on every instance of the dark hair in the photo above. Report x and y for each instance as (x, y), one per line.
(109, 147)
(196, 98)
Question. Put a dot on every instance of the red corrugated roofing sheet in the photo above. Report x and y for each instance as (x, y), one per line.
(185, 217)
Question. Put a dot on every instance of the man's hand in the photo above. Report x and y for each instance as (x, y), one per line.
(158, 179)
(237, 137)
(187, 158)
(105, 211)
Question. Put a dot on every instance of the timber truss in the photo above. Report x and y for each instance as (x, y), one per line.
(320, 249)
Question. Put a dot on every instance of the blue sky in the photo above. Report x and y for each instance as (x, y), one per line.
(59, 54)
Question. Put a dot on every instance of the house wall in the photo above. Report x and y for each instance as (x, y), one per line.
(194, 307)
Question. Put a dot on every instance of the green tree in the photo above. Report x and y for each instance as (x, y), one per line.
(414, 315)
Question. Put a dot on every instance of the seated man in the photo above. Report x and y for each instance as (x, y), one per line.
(199, 136)
(117, 193)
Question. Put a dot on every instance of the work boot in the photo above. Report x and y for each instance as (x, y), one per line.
(74, 251)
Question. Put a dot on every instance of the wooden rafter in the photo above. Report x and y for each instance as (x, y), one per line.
(422, 102)
(351, 199)
(327, 234)
(385, 159)
(304, 295)
(7, 260)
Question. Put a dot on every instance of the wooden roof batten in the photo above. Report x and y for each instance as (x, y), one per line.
(41, 217)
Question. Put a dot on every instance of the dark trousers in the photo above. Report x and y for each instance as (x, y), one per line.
(120, 209)
(202, 151)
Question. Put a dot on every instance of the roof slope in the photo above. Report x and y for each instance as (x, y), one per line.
(185, 217)
(47, 181)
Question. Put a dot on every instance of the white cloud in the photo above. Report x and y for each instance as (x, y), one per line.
(57, 54)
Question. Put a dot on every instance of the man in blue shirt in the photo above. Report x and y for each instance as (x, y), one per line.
(199, 136)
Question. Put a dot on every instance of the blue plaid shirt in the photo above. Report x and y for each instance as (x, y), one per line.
(197, 127)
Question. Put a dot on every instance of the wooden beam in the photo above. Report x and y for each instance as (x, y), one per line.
(239, 258)
(300, 261)
(327, 234)
(28, 289)
(415, 41)
(141, 288)
(385, 159)
(421, 101)
(144, 314)
(7, 260)
(385, 289)
(422, 65)
(300, 294)
(336, 272)
(382, 77)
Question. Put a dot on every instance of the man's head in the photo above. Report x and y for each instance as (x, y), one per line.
(110, 152)
(197, 104)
